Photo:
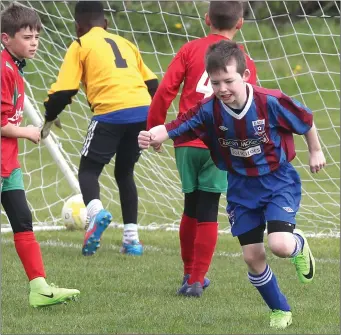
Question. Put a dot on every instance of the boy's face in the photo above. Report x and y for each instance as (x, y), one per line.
(24, 44)
(229, 86)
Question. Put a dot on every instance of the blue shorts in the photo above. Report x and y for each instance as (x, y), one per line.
(253, 201)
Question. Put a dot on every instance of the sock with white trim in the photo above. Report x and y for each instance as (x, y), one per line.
(299, 245)
(267, 286)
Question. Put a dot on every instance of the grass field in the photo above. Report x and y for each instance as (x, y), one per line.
(137, 295)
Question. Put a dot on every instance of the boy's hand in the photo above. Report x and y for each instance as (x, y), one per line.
(317, 161)
(33, 134)
(45, 131)
(144, 139)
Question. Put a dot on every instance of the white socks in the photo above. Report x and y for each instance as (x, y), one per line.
(93, 207)
(130, 229)
(130, 233)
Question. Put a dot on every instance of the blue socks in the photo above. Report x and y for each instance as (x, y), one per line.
(266, 284)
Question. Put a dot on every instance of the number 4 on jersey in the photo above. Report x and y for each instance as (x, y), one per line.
(204, 85)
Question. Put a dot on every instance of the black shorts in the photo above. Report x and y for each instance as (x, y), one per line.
(104, 140)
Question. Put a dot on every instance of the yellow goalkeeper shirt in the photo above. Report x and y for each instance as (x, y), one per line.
(113, 74)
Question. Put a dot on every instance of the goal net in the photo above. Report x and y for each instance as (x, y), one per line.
(295, 46)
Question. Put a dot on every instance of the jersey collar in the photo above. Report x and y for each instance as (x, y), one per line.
(19, 63)
(246, 107)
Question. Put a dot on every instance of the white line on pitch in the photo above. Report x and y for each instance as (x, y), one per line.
(165, 227)
(59, 244)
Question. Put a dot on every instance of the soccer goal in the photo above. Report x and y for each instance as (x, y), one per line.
(295, 46)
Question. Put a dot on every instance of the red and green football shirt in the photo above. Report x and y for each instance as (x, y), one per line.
(188, 67)
(12, 103)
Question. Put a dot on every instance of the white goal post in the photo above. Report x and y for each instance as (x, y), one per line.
(295, 46)
(51, 144)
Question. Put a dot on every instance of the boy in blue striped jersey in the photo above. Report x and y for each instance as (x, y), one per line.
(249, 132)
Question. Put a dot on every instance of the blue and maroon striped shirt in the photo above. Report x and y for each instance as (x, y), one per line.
(252, 143)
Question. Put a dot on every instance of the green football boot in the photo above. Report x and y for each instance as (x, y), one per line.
(280, 319)
(304, 261)
(52, 295)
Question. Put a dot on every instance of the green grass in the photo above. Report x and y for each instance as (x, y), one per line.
(127, 295)
(137, 295)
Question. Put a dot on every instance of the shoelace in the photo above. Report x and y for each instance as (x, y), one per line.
(53, 285)
(87, 222)
(276, 313)
(299, 260)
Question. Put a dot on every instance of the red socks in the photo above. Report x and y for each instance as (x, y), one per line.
(204, 246)
(28, 250)
(187, 233)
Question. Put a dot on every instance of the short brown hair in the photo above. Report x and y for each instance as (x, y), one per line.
(224, 15)
(16, 16)
(220, 54)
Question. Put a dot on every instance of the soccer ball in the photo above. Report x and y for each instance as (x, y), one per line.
(74, 212)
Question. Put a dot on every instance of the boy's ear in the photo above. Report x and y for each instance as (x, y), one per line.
(240, 23)
(207, 20)
(246, 75)
(105, 24)
(5, 38)
(77, 28)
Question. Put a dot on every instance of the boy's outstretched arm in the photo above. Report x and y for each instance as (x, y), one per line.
(167, 91)
(186, 126)
(66, 86)
(316, 157)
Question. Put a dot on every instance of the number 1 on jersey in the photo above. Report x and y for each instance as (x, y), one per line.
(202, 88)
(119, 60)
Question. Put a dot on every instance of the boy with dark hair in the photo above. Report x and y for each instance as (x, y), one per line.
(20, 28)
(225, 15)
(202, 181)
(249, 131)
(119, 87)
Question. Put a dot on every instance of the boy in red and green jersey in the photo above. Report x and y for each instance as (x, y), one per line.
(202, 182)
(20, 28)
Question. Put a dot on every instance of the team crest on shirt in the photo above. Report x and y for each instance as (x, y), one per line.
(17, 117)
(259, 127)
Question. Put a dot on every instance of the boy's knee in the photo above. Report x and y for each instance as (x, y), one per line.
(280, 238)
(281, 244)
(123, 174)
(19, 215)
(88, 167)
(254, 257)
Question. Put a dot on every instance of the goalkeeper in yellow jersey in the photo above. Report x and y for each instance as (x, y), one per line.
(119, 88)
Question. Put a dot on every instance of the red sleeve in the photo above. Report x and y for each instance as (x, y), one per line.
(188, 126)
(7, 91)
(253, 71)
(167, 90)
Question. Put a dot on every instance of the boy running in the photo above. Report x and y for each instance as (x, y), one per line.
(249, 131)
